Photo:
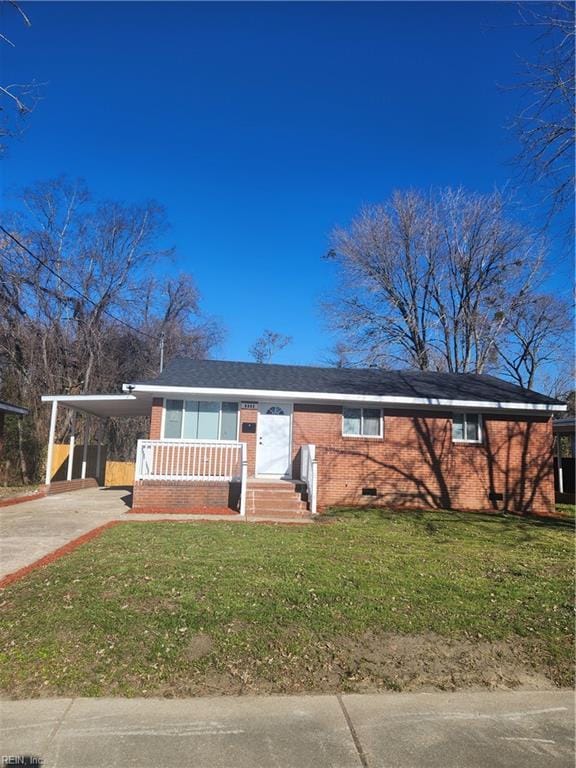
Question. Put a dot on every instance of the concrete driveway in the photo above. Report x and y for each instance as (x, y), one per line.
(520, 729)
(33, 529)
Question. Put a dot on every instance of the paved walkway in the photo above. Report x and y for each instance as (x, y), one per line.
(33, 529)
(423, 730)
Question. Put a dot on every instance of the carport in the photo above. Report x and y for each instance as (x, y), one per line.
(565, 453)
(90, 407)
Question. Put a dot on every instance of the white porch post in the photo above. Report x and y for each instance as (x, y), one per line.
(99, 452)
(85, 447)
(51, 434)
(71, 448)
(559, 462)
(314, 505)
(243, 480)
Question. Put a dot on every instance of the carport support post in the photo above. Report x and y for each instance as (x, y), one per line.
(99, 451)
(85, 447)
(71, 449)
(51, 435)
(559, 463)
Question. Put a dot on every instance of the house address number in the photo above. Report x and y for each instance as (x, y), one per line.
(249, 406)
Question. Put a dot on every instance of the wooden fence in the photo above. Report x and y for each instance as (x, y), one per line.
(114, 472)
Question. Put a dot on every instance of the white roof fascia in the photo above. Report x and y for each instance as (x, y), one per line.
(399, 400)
(84, 398)
(103, 406)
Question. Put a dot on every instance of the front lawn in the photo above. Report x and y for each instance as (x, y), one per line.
(371, 600)
(566, 510)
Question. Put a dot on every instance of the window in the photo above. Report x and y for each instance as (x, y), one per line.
(362, 422)
(173, 418)
(200, 420)
(466, 428)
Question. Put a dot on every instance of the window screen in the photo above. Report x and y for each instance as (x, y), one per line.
(361, 421)
(208, 419)
(173, 418)
(201, 420)
(352, 419)
(466, 428)
(371, 422)
(229, 421)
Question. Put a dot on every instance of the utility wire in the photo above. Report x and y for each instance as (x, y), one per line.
(73, 288)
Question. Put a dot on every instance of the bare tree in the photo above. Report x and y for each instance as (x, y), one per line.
(537, 332)
(340, 356)
(423, 277)
(17, 100)
(82, 306)
(545, 126)
(267, 345)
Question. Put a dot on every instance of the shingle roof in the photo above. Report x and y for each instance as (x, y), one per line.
(18, 410)
(184, 372)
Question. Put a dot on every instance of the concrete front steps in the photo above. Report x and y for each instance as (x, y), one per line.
(282, 499)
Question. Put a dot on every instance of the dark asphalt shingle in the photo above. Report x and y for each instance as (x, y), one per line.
(11, 408)
(184, 372)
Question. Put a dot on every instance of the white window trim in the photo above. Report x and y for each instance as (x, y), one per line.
(464, 441)
(198, 439)
(361, 408)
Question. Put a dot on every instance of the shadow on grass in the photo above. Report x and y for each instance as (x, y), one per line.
(429, 518)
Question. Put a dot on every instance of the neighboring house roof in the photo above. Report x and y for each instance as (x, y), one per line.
(16, 410)
(566, 425)
(417, 387)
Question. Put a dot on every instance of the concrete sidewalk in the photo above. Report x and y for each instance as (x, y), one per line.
(527, 729)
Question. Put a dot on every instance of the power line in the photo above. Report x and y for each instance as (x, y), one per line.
(73, 288)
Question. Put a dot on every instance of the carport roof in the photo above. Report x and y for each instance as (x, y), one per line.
(104, 406)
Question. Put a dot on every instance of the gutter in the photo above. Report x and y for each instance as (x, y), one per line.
(324, 397)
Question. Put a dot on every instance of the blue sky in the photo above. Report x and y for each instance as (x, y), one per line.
(261, 126)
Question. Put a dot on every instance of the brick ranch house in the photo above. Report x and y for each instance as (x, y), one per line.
(294, 440)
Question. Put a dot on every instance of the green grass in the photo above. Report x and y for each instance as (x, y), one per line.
(365, 601)
(567, 510)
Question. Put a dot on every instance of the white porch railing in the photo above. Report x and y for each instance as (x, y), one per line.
(210, 461)
(309, 474)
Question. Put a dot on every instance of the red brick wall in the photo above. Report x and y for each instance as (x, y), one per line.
(156, 418)
(416, 464)
(62, 486)
(249, 416)
(165, 494)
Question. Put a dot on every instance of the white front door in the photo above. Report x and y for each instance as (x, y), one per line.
(273, 455)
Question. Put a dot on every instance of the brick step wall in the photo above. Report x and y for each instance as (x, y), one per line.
(281, 499)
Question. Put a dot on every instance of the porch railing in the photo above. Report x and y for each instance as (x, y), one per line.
(309, 474)
(209, 461)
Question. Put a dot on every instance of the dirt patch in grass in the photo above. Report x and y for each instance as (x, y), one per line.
(416, 662)
(370, 662)
(199, 645)
(375, 661)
